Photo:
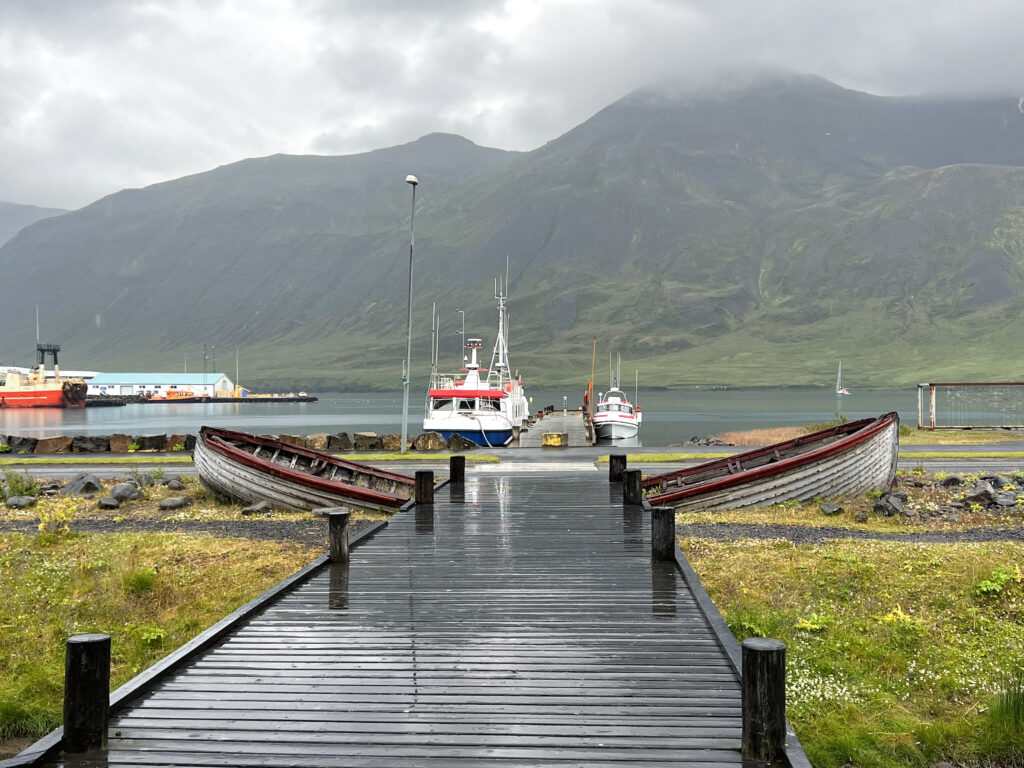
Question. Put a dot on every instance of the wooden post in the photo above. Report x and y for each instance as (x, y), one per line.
(337, 594)
(663, 533)
(764, 700)
(616, 466)
(86, 692)
(424, 486)
(457, 470)
(337, 533)
(631, 492)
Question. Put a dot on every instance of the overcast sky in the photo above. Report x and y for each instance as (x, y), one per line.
(99, 95)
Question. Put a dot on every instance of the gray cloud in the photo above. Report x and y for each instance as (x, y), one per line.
(108, 94)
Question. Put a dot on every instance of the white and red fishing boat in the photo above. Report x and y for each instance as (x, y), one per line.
(484, 405)
(35, 389)
(615, 417)
(851, 458)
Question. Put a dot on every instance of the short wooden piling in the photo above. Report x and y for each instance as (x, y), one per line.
(457, 470)
(663, 533)
(337, 533)
(616, 466)
(86, 692)
(424, 486)
(764, 700)
(631, 492)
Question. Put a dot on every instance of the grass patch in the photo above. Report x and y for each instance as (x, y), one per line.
(120, 459)
(897, 653)
(150, 592)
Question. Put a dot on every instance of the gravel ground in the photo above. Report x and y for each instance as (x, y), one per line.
(313, 533)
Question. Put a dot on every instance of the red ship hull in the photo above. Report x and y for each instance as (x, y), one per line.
(65, 395)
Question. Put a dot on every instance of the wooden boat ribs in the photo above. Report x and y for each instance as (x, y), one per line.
(850, 458)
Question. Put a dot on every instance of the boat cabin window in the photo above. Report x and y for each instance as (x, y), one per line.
(488, 404)
(465, 405)
(441, 404)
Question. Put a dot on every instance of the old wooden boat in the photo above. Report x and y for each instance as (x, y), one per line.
(851, 458)
(252, 468)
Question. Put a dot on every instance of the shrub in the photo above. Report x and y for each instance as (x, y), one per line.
(18, 485)
(56, 514)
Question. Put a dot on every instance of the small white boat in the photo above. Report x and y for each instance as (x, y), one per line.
(840, 389)
(487, 406)
(615, 417)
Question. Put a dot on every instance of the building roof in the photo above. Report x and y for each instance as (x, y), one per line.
(156, 379)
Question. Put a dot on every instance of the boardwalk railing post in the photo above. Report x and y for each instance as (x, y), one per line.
(631, 492)
(457, 470)
(764, 700)
(424, 486)
(616, 466)
(337, 533)
(86, 692)
(663, 533)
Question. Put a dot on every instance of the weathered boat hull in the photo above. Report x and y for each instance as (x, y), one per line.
(252, 469)
(849, 459)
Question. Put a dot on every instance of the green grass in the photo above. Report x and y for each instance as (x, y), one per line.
(119, 459)
(150, 592)
(898, 654)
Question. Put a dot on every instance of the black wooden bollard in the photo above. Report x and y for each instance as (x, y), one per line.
(86, 692)
(663, 533)
(631, 493)
(616, 466)
(764, 700)
(457, 470)
(424, 486)
(337, 533)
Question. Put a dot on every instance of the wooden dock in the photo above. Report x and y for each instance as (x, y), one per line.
(519, 621)
(570, 423)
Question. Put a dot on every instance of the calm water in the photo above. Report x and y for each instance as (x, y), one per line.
(669, 417)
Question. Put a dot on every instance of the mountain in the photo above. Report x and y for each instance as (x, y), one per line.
(14, 217)
(749, 235)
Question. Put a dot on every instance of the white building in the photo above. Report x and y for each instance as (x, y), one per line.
(149, 384)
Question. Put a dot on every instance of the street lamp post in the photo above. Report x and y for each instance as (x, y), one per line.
(412, 181)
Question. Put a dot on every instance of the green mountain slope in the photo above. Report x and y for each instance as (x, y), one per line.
(14, 217)
(753, 236)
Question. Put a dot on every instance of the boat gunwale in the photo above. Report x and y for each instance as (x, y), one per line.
(218, 445)
(858, 432)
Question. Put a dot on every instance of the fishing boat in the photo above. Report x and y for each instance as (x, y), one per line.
(485, 405)
(252, 468)
(615, 417)
(851, 458)
(37, 390)
(840, 389)
(177, 396)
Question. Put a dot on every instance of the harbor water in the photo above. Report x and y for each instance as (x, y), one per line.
(670, 417)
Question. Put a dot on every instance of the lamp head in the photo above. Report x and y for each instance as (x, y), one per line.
(410, 179)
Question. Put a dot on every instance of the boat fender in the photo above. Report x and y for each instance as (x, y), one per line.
(508, 386)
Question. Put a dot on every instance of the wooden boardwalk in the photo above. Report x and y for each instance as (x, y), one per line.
(571, 423)
(520, 622)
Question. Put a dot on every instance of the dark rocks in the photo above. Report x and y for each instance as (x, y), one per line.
(430, 441)
(259, 508)
(150, 442)
(861, 517)
(953, 481)
(888, 505)
(1006, 500)
(994, 480)
(368, 441)
(340, 442)
(176, 443)
(90, 444)
(21, 445)
(125, 492)
(21, 502)
(108, 502)
(829, 509)
(176, 502)
(982, 493)
(176, 485)
(459, 443)
(83, 483)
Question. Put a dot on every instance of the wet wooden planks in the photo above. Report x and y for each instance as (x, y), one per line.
(520, 623)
